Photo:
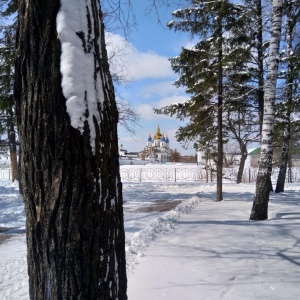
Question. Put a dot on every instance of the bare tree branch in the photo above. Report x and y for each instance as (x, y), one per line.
(118, 16)
(128, 116)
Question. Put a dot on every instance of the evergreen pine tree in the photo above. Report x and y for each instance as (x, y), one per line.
(7, 60)
(206, 69)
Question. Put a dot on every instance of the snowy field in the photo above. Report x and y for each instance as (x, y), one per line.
(182, 245)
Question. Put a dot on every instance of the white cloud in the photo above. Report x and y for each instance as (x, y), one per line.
(149, 65)
(139, 65)
(146, 112)
(171, 100)
(148, 94)
(162, 89)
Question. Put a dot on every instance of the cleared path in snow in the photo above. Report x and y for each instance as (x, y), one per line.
(216, 253)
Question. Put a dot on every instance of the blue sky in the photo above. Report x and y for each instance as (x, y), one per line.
(147, 63)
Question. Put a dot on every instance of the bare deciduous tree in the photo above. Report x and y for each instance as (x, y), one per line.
(263, 181)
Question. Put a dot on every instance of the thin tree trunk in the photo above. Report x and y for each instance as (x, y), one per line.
(12, 146)
(206, 162)
(283, 164)
(290, 175)
(69, 166)
(10, 123)
(263, 181)
(260, 60)
(242, 163)
(220, 114)
(289, 91)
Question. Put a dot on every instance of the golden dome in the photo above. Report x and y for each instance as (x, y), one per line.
(157, 135)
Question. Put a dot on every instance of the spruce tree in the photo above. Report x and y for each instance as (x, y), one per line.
(7, 60)
(205, 69)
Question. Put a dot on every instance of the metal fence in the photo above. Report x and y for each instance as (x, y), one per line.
(162, 174)
(249, 175)
(190, 174)
(5, 173)
(182, 174)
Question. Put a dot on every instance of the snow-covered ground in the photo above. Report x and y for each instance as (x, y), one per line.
(182, 245)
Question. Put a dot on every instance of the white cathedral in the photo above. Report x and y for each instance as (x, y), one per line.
(158, 147)
(157, 150)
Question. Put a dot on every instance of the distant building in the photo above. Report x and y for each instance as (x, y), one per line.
(157, 148)
(294, 157)
(125, 153)
(253, 158)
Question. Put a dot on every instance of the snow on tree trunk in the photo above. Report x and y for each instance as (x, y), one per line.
(263, 181)
(70, 181)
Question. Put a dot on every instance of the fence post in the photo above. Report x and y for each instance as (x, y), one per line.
(141, 174)
(175, 174)
(249, 176)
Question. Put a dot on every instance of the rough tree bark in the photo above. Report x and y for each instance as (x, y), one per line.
(263, 181)
(69, 177)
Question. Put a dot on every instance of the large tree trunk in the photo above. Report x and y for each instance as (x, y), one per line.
(263, 181)
(69, 161)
